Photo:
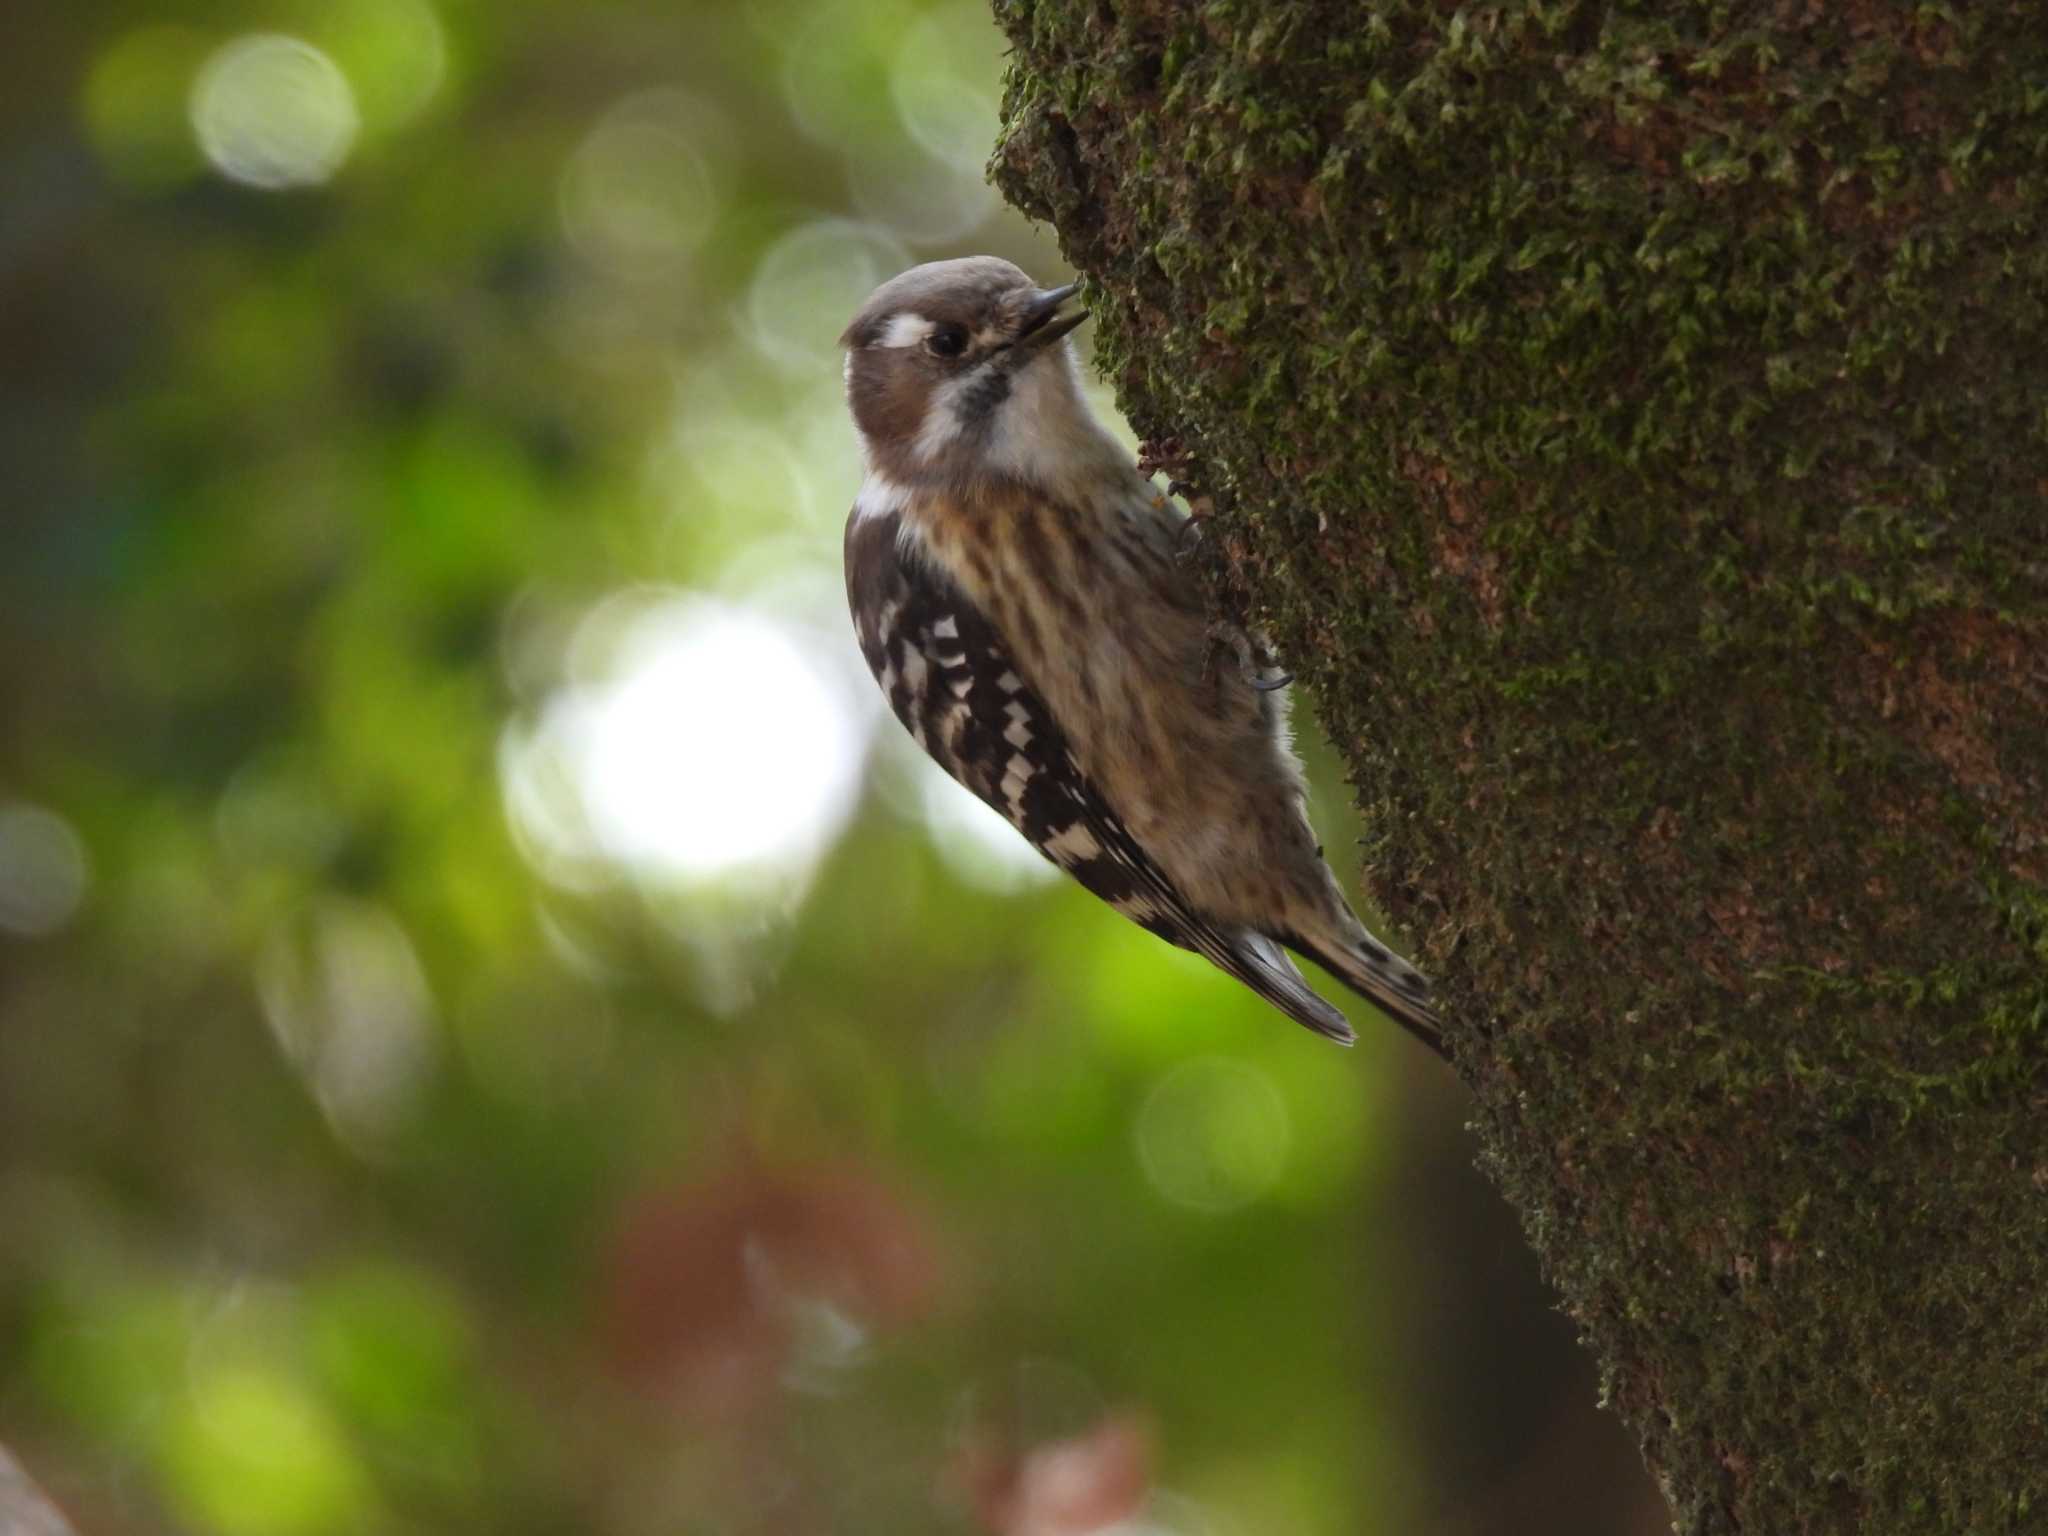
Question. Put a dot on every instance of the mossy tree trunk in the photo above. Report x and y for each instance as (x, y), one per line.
(1631, 424)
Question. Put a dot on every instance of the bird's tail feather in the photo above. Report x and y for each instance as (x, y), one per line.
(1264, 967)
(1387, 981)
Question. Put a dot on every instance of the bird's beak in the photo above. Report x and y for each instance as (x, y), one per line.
(1039, 322)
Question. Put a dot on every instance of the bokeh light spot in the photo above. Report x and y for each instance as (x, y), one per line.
(833, 65)
(732, 479)
(808, 286)
(933, 202)
(393, 1346)
(1213, 1135)
(348, 1003)
(638, 196)
(134, 104)
(253, 1454)
(718, 741)
(114, 1355)
(43, 870)
(941, 79)
(274, 112)
(395, 52)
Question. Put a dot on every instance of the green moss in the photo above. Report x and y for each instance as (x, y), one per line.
(1629, 423)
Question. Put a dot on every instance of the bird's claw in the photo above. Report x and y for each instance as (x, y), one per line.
(1168, 453)
(1253, 659)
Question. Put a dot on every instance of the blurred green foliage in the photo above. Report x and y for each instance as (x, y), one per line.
(495, 1033)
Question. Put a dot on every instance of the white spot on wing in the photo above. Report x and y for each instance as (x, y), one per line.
(1015, 779)
(915, 669)
(1018, 732)
(1074, 844)
(1140, 908)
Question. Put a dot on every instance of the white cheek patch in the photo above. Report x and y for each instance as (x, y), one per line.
(941, 419)
(905, 330)
(1045, 434)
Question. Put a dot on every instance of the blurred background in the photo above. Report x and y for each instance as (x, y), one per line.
(497, 1031)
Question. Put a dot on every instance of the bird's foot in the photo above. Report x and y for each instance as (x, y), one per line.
(1255, 662)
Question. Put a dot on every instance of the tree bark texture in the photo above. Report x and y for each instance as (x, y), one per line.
(1631, 424)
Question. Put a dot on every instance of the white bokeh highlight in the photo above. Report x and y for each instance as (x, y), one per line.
(347, 1001)
(639, 196)
(1213, 1135)
(810, 283)
(942, 78)
(274, 112)
(396, 55)
(43, 870)
(716, 741)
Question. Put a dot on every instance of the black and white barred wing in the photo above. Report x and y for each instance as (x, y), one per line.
(950, 679)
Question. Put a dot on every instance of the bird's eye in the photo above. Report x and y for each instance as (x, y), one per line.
(947, 341)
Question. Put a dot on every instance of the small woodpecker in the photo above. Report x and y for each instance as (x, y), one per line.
(1015, 592)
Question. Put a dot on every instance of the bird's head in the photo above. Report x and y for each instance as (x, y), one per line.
(959, 370)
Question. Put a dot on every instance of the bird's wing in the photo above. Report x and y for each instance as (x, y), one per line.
(952, 682)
